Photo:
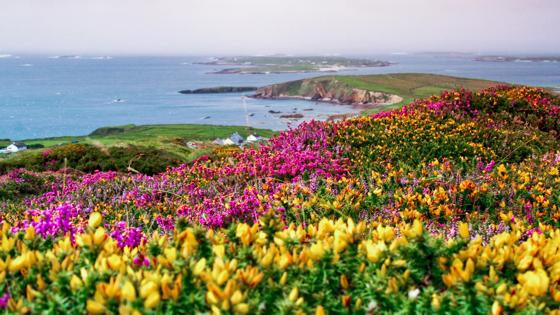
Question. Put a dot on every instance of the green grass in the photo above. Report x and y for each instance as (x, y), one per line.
(411, 86)
(4, 143)
(171, 137)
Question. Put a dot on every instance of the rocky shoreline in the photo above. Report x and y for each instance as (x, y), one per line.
(327, 90)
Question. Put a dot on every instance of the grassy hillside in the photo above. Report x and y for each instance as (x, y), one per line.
(171, 137)
(147, 148)
(409, 86)
(152, 134)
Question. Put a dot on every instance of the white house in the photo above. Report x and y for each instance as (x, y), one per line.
(252, 138)
(16, 147)
(228, 141)
(236, 138)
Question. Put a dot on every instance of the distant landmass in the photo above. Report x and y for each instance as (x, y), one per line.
(220, 89)
(517, 59)
(290, 64)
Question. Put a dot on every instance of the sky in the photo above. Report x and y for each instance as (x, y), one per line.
(201, 27)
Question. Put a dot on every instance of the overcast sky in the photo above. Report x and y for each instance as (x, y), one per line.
(195, 27)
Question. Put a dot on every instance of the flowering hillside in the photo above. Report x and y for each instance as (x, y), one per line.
(449, 205)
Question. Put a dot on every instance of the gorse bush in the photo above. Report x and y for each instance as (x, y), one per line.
(20, 183)
(88, 158)
(449, 205)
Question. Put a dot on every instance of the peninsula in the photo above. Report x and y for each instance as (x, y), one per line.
(373, 92)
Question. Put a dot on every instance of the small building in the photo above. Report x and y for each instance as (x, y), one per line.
(253, 138)
(228, 141)
(236, 138)
(16, 147)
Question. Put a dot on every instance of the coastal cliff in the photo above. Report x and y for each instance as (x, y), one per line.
(325, 89)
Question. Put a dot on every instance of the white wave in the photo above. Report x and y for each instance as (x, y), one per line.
(5, 56)
(26, 65)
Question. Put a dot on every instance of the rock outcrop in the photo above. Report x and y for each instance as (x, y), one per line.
(325, 90)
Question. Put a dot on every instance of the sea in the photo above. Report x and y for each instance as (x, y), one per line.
(48, 96)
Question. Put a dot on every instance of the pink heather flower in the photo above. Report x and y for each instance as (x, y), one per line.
(489, 166)
(127, 236)
(166, 224)
(51, 222)
(4, 300)
(90, 179)
(530, 232)
(141, 260)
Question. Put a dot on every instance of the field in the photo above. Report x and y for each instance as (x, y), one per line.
(448, 205)
(155, 135)
(125, 144)
(411, 86)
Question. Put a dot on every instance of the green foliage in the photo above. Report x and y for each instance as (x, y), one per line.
(88, 158)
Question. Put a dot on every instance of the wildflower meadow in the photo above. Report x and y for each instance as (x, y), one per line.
(448, 205)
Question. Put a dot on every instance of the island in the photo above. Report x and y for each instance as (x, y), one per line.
(371, 92)
(292, 116)
(290, 64)
(220, 89)
(517, 59)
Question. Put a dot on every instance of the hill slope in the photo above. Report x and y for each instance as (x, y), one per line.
(377, 90)
(147, 148)
(447, 205)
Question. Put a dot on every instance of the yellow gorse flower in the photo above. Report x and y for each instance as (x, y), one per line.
(95, 220)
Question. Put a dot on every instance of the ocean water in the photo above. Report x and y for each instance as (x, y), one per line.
(44, 97)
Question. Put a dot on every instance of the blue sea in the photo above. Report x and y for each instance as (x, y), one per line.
(42, 96)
